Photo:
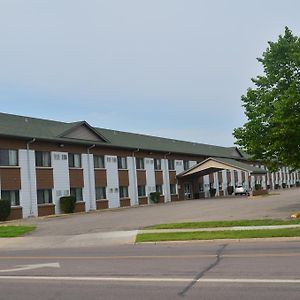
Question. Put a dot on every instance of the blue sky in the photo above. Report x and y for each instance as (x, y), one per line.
(162, 67)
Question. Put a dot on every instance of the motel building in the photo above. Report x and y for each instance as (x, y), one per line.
(43, 160)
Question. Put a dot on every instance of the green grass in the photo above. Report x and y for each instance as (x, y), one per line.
(14, 231)
(213, 235)
(214, 224)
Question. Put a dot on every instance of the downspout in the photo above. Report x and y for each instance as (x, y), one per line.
(29, 176)
(89, 174)
(168, 191)
(135, 177)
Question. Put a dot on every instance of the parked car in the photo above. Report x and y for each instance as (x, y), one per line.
(240, 190)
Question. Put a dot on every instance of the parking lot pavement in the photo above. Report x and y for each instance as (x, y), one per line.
(280, 204)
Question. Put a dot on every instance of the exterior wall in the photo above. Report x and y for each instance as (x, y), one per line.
(166, 180)
(88, 191)
(28, 195)
(132, 189)
(112, 190)
(150, 176)
(61, 179)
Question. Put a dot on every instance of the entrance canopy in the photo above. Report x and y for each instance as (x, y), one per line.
(215, 164)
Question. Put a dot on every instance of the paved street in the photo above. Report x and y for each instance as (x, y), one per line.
(278, 205)
(92, 256)
(212, 270)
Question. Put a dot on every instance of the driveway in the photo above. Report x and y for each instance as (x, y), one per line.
(276, 205)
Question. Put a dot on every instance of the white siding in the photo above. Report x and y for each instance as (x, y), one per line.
(132, 189)
(61, 181)
(179, 166)
(166, 179)
(88, 191)
(150, 176)
(28, 194)
(112, 190)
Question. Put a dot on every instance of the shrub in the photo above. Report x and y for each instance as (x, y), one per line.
(297, 183)
(230, 190)
(5, 208)
(276, 186)
(283, 185)
(212, 192)
(67, 204)
(257, 186)
(154, 197)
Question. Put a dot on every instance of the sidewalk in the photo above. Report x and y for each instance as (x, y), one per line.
(220, 228)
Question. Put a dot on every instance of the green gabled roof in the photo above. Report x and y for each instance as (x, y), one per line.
(26, 127)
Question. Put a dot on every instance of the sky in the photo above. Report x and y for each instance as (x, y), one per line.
(172, 68)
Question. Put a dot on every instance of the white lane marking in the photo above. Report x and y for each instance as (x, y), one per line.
(32, 267)
(151, 279)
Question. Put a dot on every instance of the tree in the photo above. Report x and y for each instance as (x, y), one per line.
(272, 131)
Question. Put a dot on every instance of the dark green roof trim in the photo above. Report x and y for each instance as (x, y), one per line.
(53, 131)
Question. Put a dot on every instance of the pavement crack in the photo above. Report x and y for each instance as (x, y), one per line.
(202, 273)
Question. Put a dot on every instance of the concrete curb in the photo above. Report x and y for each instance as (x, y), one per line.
(235, 228)
(274, 239)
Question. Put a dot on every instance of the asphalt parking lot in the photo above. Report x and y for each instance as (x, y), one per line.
(280, 204)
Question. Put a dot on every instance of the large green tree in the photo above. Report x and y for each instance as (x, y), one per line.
(272, 131)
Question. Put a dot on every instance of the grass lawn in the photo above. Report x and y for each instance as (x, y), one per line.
(213, 235)
(14, 231)
(213, 224)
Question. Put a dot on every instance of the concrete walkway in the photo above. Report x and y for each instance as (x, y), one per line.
(237, 228)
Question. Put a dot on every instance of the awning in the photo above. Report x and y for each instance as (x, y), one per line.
(215, 164)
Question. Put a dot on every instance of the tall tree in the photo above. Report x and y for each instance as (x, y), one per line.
(272, 131)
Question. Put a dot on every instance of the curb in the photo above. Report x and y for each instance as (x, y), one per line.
(249, 240)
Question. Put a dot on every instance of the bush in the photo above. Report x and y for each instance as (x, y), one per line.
(276, 186)
(230, 190)
(5, 208)
(283, 185)
(257, 186)
(212, 192)
(154, 197)
(67, 204)
(297, 183)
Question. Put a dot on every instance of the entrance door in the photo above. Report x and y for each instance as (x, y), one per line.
(188, 191)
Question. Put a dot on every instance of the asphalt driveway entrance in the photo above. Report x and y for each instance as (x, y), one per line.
(279, 205)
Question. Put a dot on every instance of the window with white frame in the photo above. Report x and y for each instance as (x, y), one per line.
(122, 162)
(173, 189)
(101, 193)
(157, 164)
(186, 165)
(12, 196)
(8, 157)
(123, 191)
(99, 162)
(42, 159)
(77, 193)
(159, 189)
(140, 163)
(44, 196)
(74, 160)
(141, 191)
(171, 164)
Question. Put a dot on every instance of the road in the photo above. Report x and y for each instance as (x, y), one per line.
(278, 205)
(197, 270)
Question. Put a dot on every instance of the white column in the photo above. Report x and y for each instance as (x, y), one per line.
(179, 166)
(166, 179)
(28, 192)
(224, 180)
(61, 179)
(239, 174)
(89, 193)
(150, 176)
(112, 189)
(132, 189)
(206, 185)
